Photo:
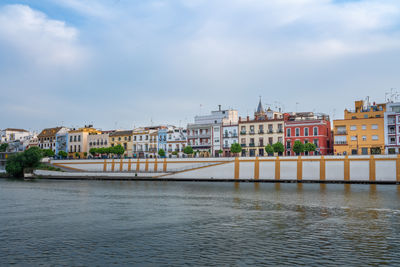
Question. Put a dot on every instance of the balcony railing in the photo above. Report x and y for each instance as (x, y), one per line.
(270, 131)
(261, 132)
(243, 132)
(340, 142)
(392, 132)
(252, 132)
(341, 132)
(243, 145)
(252, 145)
(230, 135)
(280, 131)
(391, 121)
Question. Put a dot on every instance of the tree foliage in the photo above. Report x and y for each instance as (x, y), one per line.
(17, 163)
(310, 147)
(117, 150)
(298, 147)
(278, 148)
(161, 152)
(3, 147)
(236, 148)
(48, 153)
(269, 149)
(62, 154)
(188, 150)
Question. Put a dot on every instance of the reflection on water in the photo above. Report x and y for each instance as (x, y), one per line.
(155, 223)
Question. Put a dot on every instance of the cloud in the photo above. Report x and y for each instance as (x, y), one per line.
(37, 39)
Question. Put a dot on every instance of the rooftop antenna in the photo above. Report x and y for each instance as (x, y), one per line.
(297, 103)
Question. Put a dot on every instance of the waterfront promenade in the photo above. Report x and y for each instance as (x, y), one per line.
(346, 169)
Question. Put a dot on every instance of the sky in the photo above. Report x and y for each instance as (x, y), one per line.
(119, 64)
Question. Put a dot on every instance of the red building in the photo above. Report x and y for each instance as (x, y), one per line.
(308, 127)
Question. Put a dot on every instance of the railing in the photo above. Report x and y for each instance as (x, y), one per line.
(243, 132)
(243, 145)
(341, 132)
(230, 135)
(270, 131)
(340, 143)
(392, 132)
(280, 131)
(252, 132)
(391, 121)
(261, 132)
(252, 144)
(199, 136)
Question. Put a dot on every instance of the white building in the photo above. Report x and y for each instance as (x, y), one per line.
(230, 133)
(392, 128)
(176, 141)
(47, 137)
(205, 134)
(11, 135)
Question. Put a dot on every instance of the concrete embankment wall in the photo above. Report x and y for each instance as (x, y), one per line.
(379, 168)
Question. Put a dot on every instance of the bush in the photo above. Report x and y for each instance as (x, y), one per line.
(29, 159)
(62, 154)
(309, 147)
(188, 150)
(3, 147)
(48, 153)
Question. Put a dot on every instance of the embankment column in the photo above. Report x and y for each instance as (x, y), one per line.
(346, 168)
(256, 169)
(121, 165)
(322, 168)
(299, 168)
(398, 168)
(105, 166)
(277, 168)
(237, 163)
(112, 165)
(372, 172)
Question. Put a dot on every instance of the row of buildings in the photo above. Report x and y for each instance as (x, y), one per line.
(368, 129)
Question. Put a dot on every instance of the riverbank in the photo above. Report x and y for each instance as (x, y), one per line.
(124, 176)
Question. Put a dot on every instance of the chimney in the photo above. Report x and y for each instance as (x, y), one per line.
(219, 107)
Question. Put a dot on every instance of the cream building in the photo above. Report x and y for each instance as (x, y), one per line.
(78, 141)
(123, 138)
(267, 127)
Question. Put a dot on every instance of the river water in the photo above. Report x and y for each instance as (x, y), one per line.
(83, 223)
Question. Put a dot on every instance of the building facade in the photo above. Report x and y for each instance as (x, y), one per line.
(11, 135)
(267, 127)
(205, 134)
(361, 131)
(230, 135)
(123, 138)
(308, 127)
(61, 142)
(77, 141)
(392, 128)
(47, 137)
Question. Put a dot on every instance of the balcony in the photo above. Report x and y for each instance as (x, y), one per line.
(201, 145)
(243, 145)
(341, 132)
(260, 132)
(203, 135)
(227, 146)
(340, 143)
(270, 131)
(252, 132)
(261, 144)
(243, 132)
(280, 131)
(230, 136)
(252, 145)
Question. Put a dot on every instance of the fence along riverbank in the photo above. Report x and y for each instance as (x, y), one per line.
(373, 169)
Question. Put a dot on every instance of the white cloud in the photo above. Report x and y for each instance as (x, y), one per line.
(38, 39)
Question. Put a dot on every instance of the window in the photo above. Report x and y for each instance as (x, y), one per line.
(353, 128)
(315, 131)
(364, 127)
(288, 132)
(119, 138)
(374, 126)
(364, 151)
(280, 140)
(305, 131)
(316, 142)
(75, 138)
(297, 131)
(354, 138)
(375, 137)
(364, 138)
(270, 140)
(134, 138)
(79, 138)
(70, 138)
(251, 128)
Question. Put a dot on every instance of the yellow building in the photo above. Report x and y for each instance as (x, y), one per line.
(78, 141)
(361, 131)
(123, 138)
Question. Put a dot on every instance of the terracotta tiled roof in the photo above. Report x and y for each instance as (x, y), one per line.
(49, 132)
(15, 130)
(121, 133)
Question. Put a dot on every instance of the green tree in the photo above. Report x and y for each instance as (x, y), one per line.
(76, 155)
(62, 154)
(93, 151)
(220, 152)
(32, 157)
(188, 150)
(269, 149)
(85, 154)
(17, 163)
(48, 153)
(118, 150)
(278, 148)
(298, 147)
(236, 148)
(309, 147)
(161, 152)
(3, 147)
